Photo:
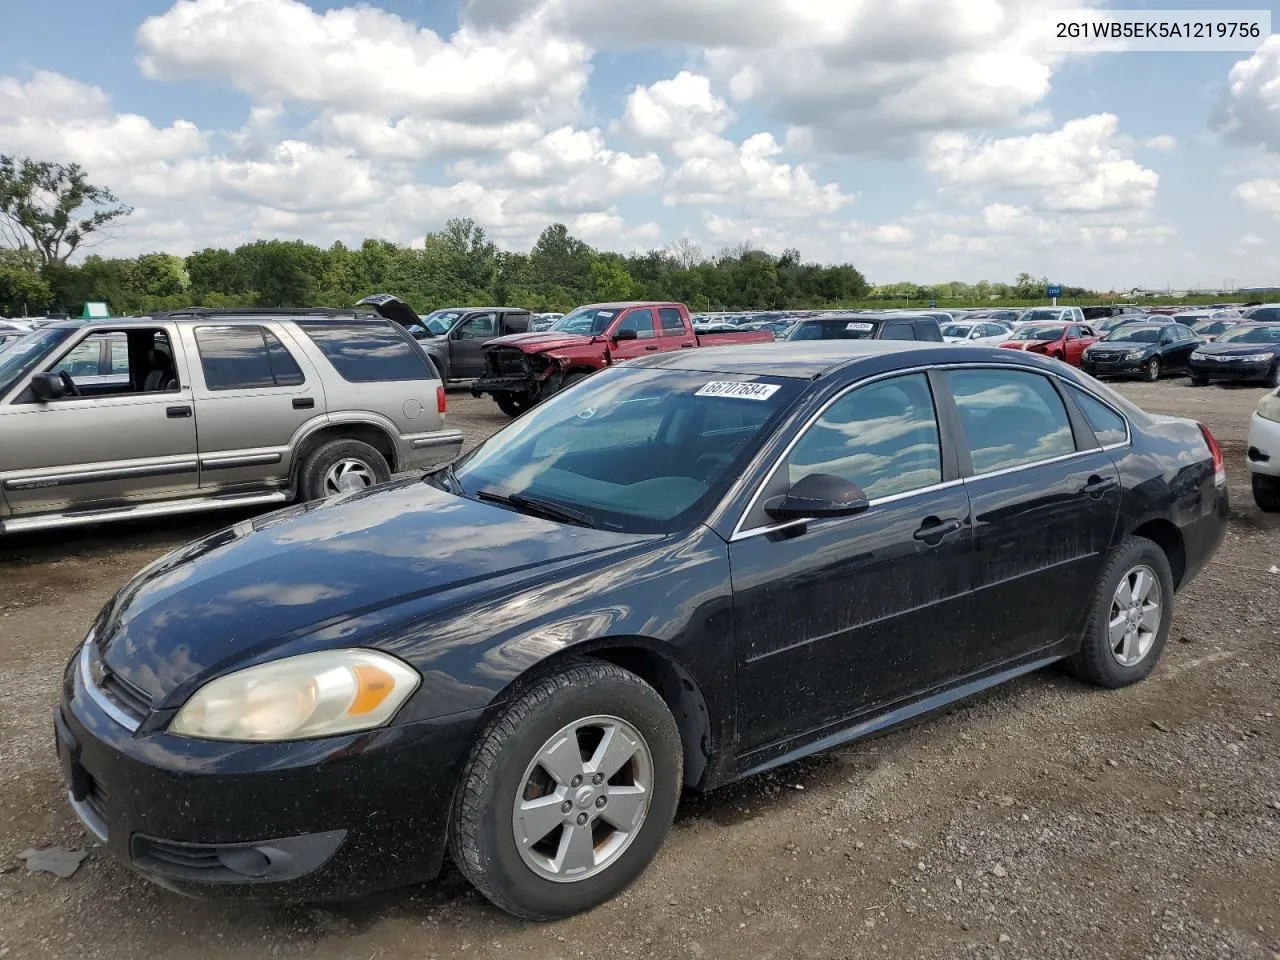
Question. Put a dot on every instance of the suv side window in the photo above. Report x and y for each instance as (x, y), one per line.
(883, 437)
(1010, 418)
(641, 321)
(672, 322)
(368, 351)
(898, 331)
(931, 332)
(1108, 426)
(480, 327)
(237, 357)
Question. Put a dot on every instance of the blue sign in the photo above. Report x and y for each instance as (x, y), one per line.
(1054, 291)
(933, 304)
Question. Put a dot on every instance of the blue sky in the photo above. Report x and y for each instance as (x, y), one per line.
(918, 139)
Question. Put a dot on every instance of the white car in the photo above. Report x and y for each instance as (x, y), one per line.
(984, 332)
(1052, 315)
(1264, 452)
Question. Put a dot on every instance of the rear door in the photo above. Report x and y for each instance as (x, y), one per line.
(465, 341)
(253, 393)
(837, 615)
(1178, 355)
(675, 331)
(1045, 499)
(643, 321)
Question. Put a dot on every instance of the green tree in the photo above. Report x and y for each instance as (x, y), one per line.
(52, 209)
(609, 279)
(22, 289)
(560, 259)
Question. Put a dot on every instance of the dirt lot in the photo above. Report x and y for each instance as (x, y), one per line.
(1044, 820)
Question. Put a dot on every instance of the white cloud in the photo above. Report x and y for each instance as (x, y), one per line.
(1248, 113)
(1262, 195)
(885, 234)
(681, 113)
(1251, 240)
(1081, 166)
(1164, 143)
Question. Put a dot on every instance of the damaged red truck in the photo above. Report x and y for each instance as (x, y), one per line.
(521, 369)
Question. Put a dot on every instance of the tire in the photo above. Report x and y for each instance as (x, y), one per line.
(1273, 380)
(571, 378)
(513, 404)
(1266, 493)
(504, 767)
(1099, 660)
(1199, 381)
(344, 463)
(1151, 370)
(1057, 356)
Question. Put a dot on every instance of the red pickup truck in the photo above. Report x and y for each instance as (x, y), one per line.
(521, 369)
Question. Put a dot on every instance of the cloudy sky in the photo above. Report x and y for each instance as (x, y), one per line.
(919, 139)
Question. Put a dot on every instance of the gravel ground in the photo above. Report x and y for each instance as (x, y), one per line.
(1043, 820)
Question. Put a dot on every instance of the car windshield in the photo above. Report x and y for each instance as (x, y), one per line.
(442, 321)
(1265, 314)
(1042, 315)
(960, 330)
(586, 320)
(22, 355)
(635, 450)
(1138, 333)
(1245, 333)
(1039, 331)
(837, 329)
(1211, 326)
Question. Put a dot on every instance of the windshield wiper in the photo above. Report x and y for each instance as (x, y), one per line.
(537, 507)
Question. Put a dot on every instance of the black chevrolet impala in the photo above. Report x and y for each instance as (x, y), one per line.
(685, 570)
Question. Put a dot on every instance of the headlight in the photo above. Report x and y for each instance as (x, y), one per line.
(1257, 357)
(1197, 355)
(312, 695)
(1135, 354)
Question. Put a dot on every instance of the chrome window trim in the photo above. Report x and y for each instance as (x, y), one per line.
(99, 698)
(740, 534)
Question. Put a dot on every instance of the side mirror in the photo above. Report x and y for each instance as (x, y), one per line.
(48, 386)
(625, 334)
(818, 495)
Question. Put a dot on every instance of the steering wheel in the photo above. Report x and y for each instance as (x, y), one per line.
(69, 383)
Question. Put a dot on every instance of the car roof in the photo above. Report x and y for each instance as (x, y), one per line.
(800, 360)
(623, 304)
(485, 309)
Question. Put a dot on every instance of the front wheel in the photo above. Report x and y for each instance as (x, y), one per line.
(1266, 493)
(1151, 370)
(513, 404)
(569, 793)
(1130, 617)
(1199, 381)
(1273, 380)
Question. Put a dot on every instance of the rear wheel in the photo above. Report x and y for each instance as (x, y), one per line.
(1151, 370)
(571, 378)
(1129, 622)
(342, 466)
(513, 404)
(1266, 493)
(569, 793)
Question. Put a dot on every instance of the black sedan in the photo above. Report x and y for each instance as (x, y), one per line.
(1144, 350)
(682, 571)
(1247, 353)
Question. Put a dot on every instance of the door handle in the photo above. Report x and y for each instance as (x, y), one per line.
(686, 346)
(1098, 485)
(654, 347)
(304, 403)
(177, 413)
(932, 530)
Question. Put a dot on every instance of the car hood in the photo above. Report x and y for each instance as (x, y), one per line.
(1121, 346)
(1235, 348)
(331, 573)
(541, 342)
(1026, 344)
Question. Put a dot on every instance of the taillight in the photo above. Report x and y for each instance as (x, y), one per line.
(440, 404)
(1215, 452)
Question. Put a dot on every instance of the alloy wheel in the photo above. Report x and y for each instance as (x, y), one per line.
(1135, 616)
(347, 476)
(583, 799)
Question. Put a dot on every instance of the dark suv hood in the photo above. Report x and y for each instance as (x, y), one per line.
(331, 573)
(393, 308)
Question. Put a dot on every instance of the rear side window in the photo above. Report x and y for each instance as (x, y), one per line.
(929, 332)
(898, 331)
(641, 321)
(368, 352)
(672, 322)
(1108, 426)
(245, 356)
(1010, 418)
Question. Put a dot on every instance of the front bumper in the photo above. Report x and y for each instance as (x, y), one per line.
(1264, 446)
(1231, 369)
(1104, 367)
(527, 384)
(306, 820)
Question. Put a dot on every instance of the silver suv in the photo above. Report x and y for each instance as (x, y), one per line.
(202, 409)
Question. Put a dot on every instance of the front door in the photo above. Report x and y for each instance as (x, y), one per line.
(838, 615)
(115, 444)
(1045, 502)
(642, 321)
(466, 360)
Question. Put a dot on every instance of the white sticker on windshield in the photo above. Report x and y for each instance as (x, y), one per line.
(860, 327)
(605, 313)
(743, 391)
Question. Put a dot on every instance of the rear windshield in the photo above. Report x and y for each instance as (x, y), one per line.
(368, 351)
(837, 329)
(956, 330)
(1042, 315)
(1264, 313)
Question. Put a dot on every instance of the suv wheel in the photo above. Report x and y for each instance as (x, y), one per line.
(1129, 622)
(1266, 493)
(569, 793)
(513, 404)
(342, 466)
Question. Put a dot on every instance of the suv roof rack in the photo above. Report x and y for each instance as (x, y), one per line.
(264, 312)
